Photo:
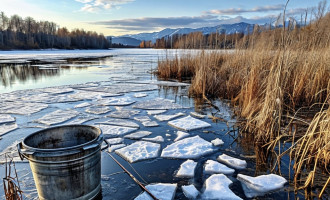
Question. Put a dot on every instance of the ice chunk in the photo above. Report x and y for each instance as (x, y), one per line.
(6, 119)
(162, 191)
(217, 142)
(125, 101)
(85, 104)
(192, 147)
(157, 104)
(113, 141)
(138, 135)
(55, 90)
(140, 150)
(113, 148)
(217, 187)
(142, 118)
(6, 128)
(187, 169)
(150, 123)
(120, 122)
(57, 117)
(181, 135)
(98, 110)
(195, 114)
(157, 139)
(155, 112)
(81, 120)
(139, 95)
(233, 162)
(114, 131)
(123, 113)
(21, 108)
(123, 88)
(260, 185)
(168, 117)
(190, 191)
(188, 123)
(214, 167)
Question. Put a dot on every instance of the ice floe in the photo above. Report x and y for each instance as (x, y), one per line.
(83, 95)
(155, 112)
(120, 88)
(114, 147)
(233, 162)
(81, 119)
(125, 101)
(120, 122)
(188, 123)
(115, 131)
(6, 119)
(98, 110)
(113, 141)
(6, 128)
(214, 167)
(195, 114)
(123, 113)
(217, 187)
(21, 108)
(192, 147)
(150, 123)
(260, 185)
(85, 104)
(140, 150)
(55, 90)
(187, 169)
(157, 139)
(217, 142)
(140, 95)
(181, 135)
(138, 135)
(57, 117)
(157, 104)
(168, 117)
(162, 191)
(142, 118)
(190, 191)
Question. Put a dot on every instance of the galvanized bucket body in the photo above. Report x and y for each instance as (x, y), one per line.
(65, 161)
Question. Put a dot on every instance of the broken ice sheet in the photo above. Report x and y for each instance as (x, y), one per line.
(81, 119)
(217, 142)
(150, 123)
(158, 139)
(113, 148)
(192, 147)
(260, 185)
(187, 169)
(125, 101)
(157, 104)
(120, 122)
(188, 123)
(21, 108)
(217, 187)
(113, 141)
(138, 134)
(57, 117)
(6, 119)
(57, 90)
(12, 152)
(195, 114)
(98, 110)
(162, 191)
(115, 131)
(232, 162)
(83, 95)
(168, 117)
(6, 128)
(85, 104)
(140, 95)
(181, 135)
(190, 191)
(140, 150)
(214, 167)
(155, 112)
(120, 88)
(123, 113)
(142, 118)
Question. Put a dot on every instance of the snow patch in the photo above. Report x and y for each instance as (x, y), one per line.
(214, 167)
(187, 169)
(233, 162)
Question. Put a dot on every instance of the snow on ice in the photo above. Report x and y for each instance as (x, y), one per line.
(214, 167)
(232, 162)
(162, 191)
(188, 123)
(187, 169)
(140, 150)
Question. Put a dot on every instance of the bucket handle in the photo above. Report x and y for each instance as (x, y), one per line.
(22, 153)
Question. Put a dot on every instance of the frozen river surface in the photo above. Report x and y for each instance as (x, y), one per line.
(178, 151)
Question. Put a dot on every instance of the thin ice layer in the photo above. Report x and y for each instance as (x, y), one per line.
(120, 122)
(157, 104)
(21, 108)
(217, 187)
(142, 118)
(138, 134)
(98, 110)
(6, 119)
(190, 191)
(233, 162)
(157, 139)
(123, 113)
(260, 185)
(57, 117)
(81, 105)
(214, 167)
(187, 169)
(115, 131)
(113, 141)
(114, 147)
(6, 128)
(81, 119)
(168, 117)
(188, 123)
(181, 135)
(138, 151)
(155, 112)
(140, 95)
(124, 101)
(192, 147)
(162, 191)
(150, 123)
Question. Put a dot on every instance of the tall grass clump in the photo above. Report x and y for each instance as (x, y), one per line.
(280, 81)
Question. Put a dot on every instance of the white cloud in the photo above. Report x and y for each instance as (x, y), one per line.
(97, 5)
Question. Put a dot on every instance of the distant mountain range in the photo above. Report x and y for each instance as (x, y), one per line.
(224, 28)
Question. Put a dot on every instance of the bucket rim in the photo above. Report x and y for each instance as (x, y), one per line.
(99, 131)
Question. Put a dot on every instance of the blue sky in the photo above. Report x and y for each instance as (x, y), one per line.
(119, 17)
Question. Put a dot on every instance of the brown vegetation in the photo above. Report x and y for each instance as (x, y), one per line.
(280, 81)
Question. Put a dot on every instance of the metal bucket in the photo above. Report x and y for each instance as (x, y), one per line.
(65, 161)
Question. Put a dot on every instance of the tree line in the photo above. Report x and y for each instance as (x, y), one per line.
(27, 33)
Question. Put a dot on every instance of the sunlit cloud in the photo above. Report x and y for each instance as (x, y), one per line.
(236, 11)
(98, 5)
